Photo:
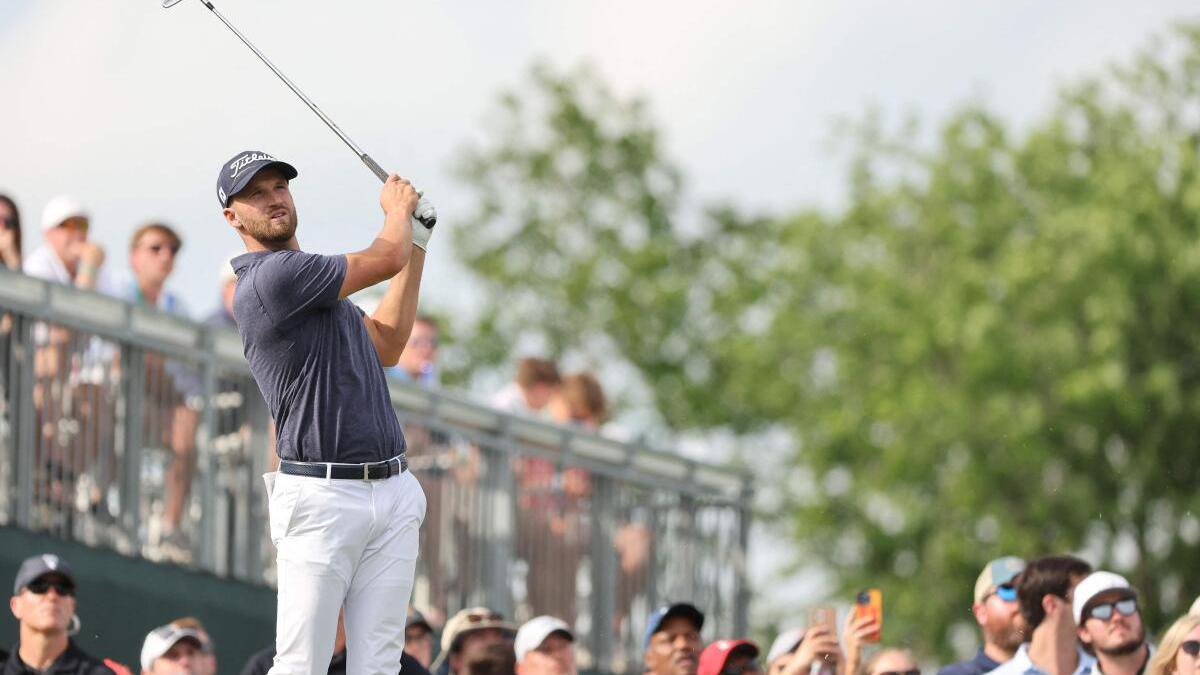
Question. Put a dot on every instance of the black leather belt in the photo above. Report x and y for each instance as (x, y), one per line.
(374, 471)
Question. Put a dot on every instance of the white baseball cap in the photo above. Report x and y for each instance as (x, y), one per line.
(786, 642)
(59, 209)
(160, 640)
(1094, 584)
(534, 632)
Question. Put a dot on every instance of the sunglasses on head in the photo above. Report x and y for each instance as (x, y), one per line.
(481, 618)
(1192, 647)
(42, 586)
(1006, 592)
(1104, 611)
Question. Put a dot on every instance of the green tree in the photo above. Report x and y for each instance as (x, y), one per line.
(993, 348)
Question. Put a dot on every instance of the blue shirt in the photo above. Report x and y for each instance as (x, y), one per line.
(982, 663)
(313, 360)
(1021, 664)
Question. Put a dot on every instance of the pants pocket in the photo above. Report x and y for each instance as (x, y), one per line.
(283, 496)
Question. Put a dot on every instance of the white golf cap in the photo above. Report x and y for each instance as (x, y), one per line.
(1094, 584)
(786, 642)
(160, 640)
(534, 632)
(59, 209)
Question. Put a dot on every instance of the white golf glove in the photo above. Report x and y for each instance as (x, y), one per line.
(421, 233)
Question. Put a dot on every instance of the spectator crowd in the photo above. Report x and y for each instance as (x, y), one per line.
(1051, 616)
(76, 376)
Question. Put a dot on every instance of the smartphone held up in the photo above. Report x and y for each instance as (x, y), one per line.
(869, 603)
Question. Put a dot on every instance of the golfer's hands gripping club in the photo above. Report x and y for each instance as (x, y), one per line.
(399, 196)
(425, 211)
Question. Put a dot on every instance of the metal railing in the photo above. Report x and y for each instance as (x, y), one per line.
(126, 428)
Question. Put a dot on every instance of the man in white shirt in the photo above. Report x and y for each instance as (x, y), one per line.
(1045, 591)
(536, 382)
(74, 371)
(66, 256)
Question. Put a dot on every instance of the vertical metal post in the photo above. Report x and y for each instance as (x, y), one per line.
(256, 415)
(741, 597)
(604, 571)
(687, 548)
(25, 419)
(133, 381)
(499, 501)
(213, 521)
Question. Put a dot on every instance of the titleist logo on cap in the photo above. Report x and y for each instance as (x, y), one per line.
(245, 160)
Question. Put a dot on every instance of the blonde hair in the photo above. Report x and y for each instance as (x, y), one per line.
(1163, 662)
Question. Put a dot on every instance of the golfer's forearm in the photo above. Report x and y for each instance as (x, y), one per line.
(394, 316)
(397, 229)
(387, 256)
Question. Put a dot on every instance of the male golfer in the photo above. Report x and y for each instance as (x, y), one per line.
(344, 509)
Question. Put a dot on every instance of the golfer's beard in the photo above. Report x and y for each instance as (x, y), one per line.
(267, 232)
(1124, 648)
(1010, 638)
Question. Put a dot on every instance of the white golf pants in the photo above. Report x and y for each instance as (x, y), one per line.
(343, 543)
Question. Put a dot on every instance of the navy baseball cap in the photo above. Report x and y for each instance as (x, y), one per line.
(239, 170)
(39, 565)
(659, 616)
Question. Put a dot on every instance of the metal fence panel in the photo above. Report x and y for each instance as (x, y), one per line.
(126, 429)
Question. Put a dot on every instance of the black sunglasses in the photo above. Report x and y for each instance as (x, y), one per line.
(1104, 611)
(41, 587)
(9, 222)
(747, 667)
(914, 671)
(1192, 647)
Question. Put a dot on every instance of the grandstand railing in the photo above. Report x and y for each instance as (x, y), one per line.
(126, 428)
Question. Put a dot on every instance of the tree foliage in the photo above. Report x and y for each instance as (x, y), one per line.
(993, 348)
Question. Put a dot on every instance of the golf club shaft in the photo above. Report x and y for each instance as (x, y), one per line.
(425, 212)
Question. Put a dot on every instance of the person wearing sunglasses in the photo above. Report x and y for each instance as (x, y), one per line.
(998, 615)
(468, 634)
(890, 662)
(1045, 591)
(43, 603)
(67, 256)
(418, 360)
(1110, 624)
(173, 390)
(1178, 652)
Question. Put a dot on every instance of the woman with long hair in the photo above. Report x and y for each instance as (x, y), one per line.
(1179, 650)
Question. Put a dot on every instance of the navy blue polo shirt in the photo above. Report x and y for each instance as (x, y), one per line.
(313, 360)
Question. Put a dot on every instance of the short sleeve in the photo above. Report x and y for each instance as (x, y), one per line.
(291, 284)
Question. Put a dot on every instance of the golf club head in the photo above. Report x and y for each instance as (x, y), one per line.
(168, 4)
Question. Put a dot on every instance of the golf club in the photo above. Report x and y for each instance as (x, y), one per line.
(425, 212)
